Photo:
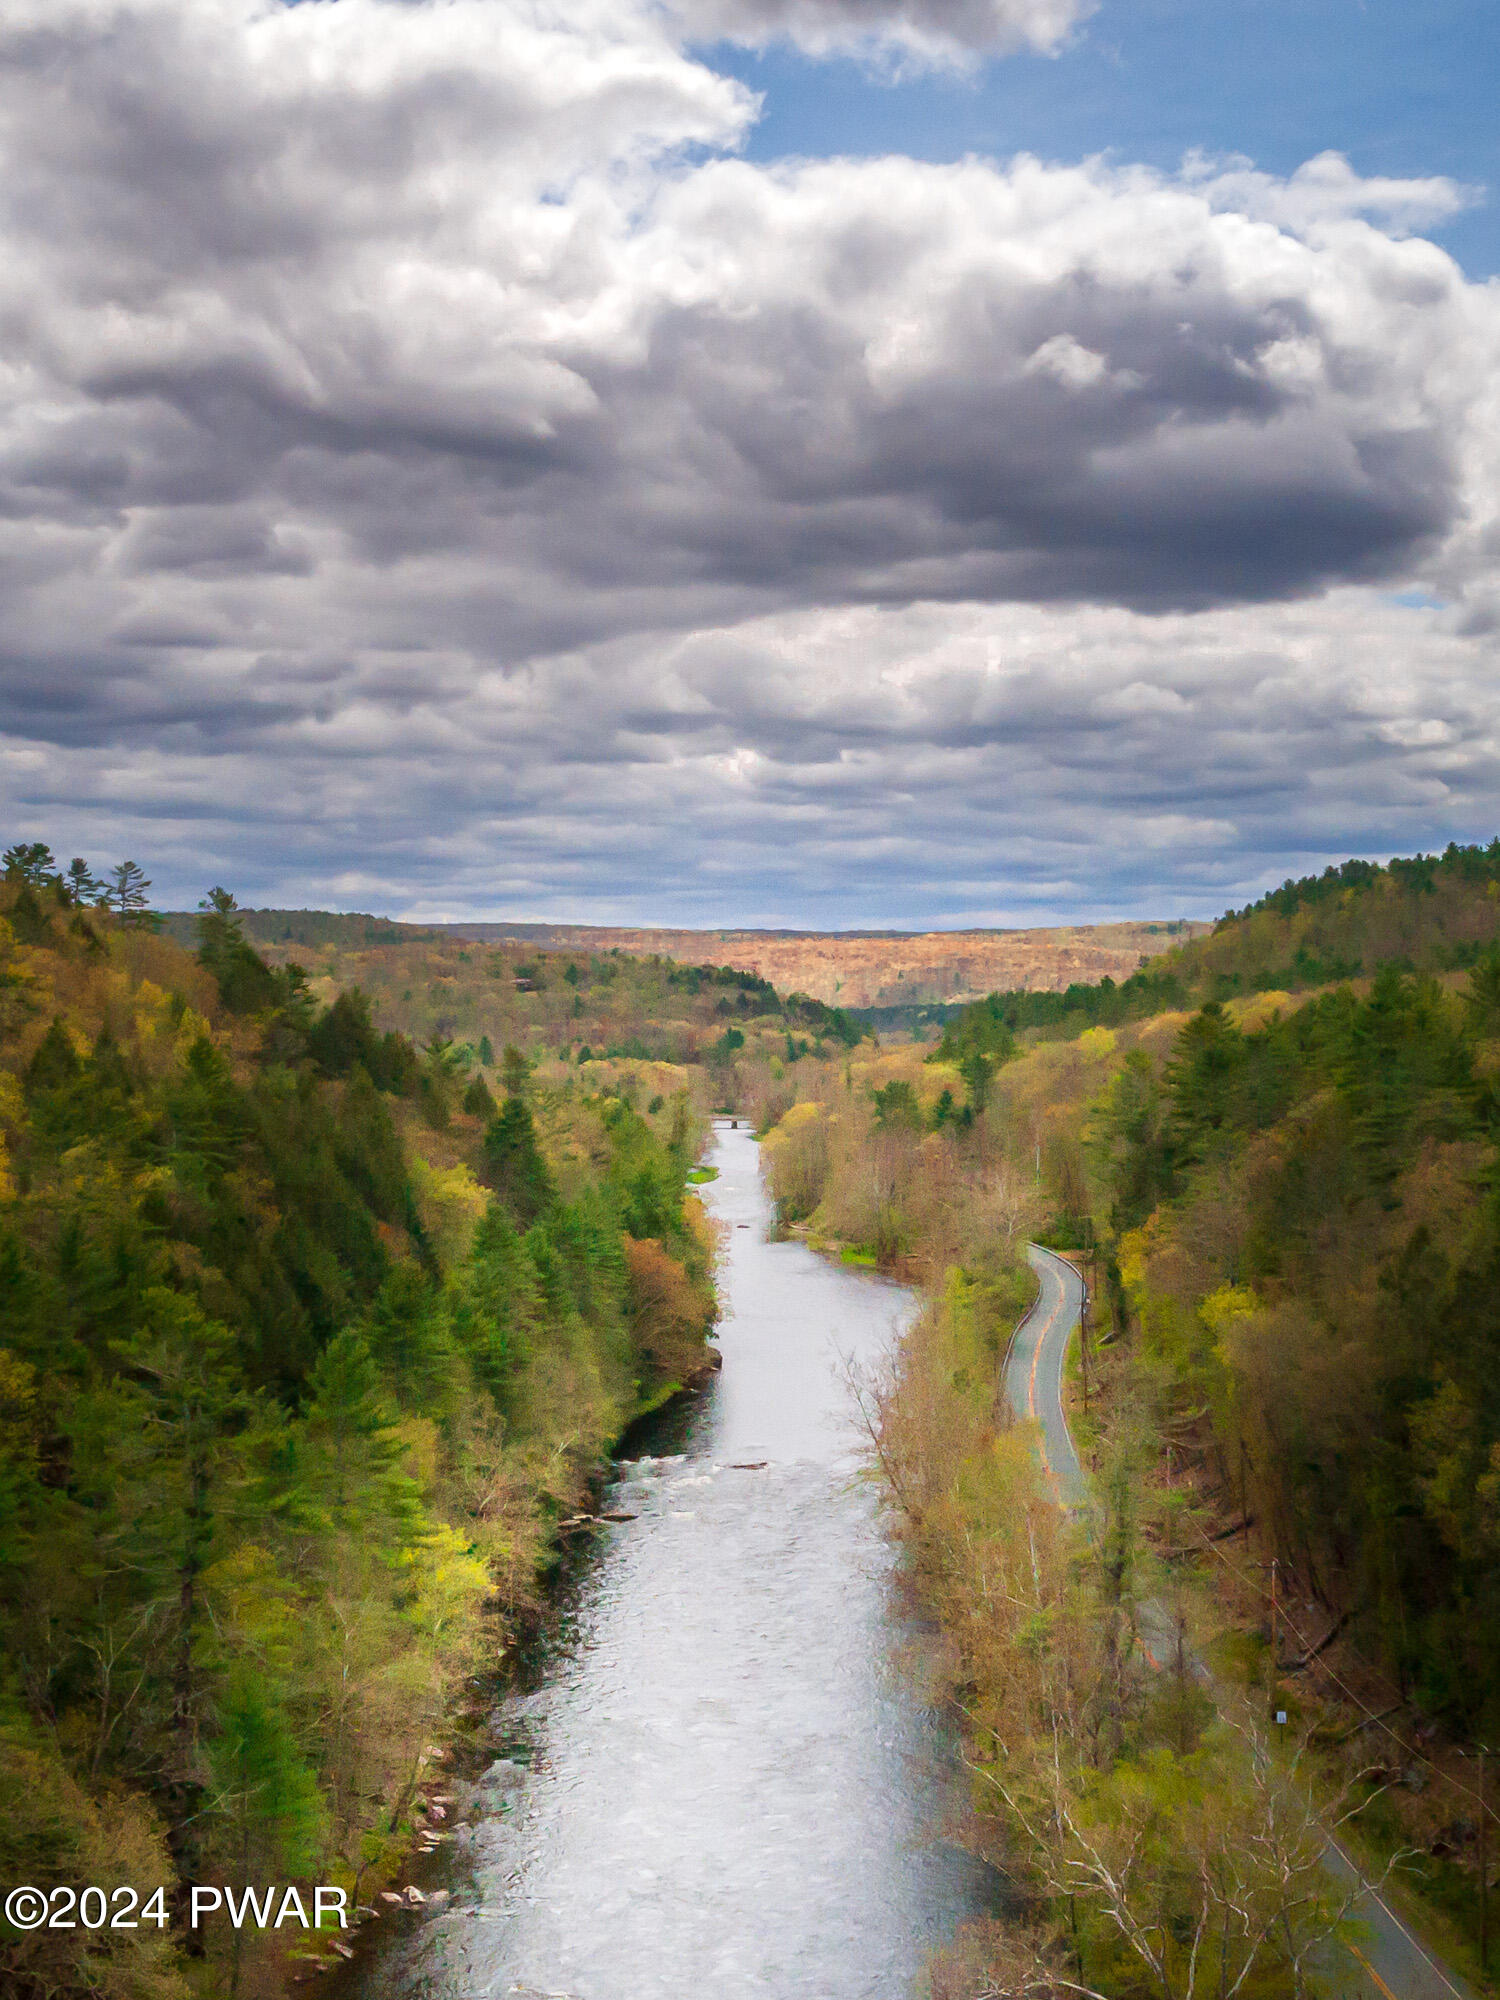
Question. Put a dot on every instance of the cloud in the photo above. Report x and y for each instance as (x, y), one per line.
(432, 464)
(940, 764)
(931, 31)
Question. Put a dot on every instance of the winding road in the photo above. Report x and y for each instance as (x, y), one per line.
(1390, 1962)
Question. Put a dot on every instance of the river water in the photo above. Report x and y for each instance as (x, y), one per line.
(725, 1787)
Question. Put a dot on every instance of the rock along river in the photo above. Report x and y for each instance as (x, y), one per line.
(724, 1787)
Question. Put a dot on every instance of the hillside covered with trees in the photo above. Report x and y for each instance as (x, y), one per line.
(1433, 913)
(585, 1022)
(1289, 1200)
(309, 1337)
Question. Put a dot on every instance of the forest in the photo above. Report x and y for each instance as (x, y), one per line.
(310, 1337)
(330, 1267)
(1431, 913)
(598, 1017)
(1287, 1200)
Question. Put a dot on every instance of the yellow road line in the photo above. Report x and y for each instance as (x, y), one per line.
(1357, 1953)
(1041, 1437)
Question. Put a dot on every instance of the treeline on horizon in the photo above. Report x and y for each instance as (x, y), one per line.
(307, 1341)
(1431, 912)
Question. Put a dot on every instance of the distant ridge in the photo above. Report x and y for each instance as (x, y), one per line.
(865, 969)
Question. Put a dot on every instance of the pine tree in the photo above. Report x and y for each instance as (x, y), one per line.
(513, 1162)
(83, 885)
(478, 1101)
(30, 862)
(352, 1475)
(126, 895)
(246, 983)
(407, 1332)
(182, 1406)
(495, 1303)
(265, 1790)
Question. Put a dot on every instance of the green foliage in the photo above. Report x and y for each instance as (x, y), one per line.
(265, 1792)
(1430, 913)
(991, 1025)
(478, 1102)
(262, 1461)
(896, 1106)
(125, 894)
(344, 1038)
(977, 1068)
(246, 983)
(31, 863)
(513, 1162)
(1322, 1190)
(83, 885)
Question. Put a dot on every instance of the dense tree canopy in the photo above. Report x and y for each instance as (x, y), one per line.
(286, 1396)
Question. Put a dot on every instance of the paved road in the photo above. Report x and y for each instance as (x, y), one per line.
(1034, 1369)
(1392, 1965)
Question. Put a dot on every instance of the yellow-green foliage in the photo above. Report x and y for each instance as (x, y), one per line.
(288, 1405)
(1186, 1864)
(54, 1834)
(451, 1201)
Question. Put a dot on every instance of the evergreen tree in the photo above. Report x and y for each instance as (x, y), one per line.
(126, 895)
(246, 983)
(1202, 1075)
(83, 885)
(513, 1162)
(896, 1108)
(181, 1406)
(478, 1102)
(495, 1305)
(515, 1071)
(345, 1036)
(407, 1332)
(265, 1792)
(352, 1474)
(32, 863)
(977, 1069)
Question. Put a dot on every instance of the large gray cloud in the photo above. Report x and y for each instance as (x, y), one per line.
(940, 764)
(410, 434)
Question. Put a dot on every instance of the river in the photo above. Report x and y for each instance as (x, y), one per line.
(725, 1787)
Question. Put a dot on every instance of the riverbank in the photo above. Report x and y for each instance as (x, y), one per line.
(407, 1878)
(723, 1783)
(1084, 1759)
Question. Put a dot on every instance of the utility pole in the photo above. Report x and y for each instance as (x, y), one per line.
(1083, 1345)
(1484, 1870)
(1271, 1664)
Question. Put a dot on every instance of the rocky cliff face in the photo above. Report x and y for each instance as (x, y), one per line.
(863, 969)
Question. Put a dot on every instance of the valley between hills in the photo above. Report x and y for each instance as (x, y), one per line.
(860, 969)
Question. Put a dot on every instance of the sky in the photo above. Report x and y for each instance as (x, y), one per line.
(820, 463)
